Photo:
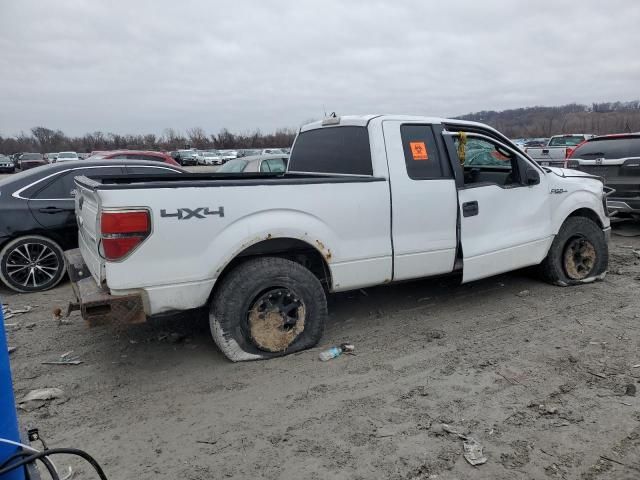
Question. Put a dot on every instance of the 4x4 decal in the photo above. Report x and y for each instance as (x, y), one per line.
(189, 213)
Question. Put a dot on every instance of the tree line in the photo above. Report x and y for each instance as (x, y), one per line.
(534, 122)
(43, 140)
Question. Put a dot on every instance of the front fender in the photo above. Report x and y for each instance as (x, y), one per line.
(581, 199)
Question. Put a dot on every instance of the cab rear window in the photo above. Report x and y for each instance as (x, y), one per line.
(340, 150)
(610, 148)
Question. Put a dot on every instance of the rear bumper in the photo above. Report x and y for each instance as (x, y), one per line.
(96, 305)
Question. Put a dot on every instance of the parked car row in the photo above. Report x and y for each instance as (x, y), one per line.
(220, 157)
(26, 160)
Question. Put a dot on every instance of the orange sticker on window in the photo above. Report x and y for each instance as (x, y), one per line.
(419, 151)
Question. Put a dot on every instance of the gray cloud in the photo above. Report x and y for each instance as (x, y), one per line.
(122, 66)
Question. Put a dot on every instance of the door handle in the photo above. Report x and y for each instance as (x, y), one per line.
(470, 209)
(52, 210)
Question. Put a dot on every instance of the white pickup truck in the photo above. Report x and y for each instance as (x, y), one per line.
(367, 200)
(557, 149)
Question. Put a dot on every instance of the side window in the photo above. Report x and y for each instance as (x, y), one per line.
(421, 153)
(59, 189)
(486, 162)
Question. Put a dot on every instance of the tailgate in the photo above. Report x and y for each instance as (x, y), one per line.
(87, 208)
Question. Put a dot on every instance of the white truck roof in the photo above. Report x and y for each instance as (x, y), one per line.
(363, 120)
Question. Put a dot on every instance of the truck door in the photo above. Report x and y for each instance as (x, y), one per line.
(424, 200)
(505, 217)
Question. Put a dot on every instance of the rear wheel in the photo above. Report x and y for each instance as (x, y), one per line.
(31, 264)
(578, 253)
(267, 307)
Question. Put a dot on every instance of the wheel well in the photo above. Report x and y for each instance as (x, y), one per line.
(290, 248)
(588, 213)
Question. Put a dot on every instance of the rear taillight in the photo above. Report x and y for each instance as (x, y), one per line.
(123, 231)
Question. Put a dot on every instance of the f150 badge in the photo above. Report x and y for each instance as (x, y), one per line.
(558, 190)
(189, 213)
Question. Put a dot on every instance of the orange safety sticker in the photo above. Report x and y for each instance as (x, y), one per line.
(419, 151)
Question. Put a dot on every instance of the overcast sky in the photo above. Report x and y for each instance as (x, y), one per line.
(140, 66)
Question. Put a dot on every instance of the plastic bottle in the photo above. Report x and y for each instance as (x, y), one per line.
(334, 352)
(330, 353)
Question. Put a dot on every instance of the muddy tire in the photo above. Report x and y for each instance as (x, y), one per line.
(31, 264)
(267, 307)
(579, 253)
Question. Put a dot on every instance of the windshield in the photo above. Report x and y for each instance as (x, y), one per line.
(233, 166)
(67, 155)
(31, 156)
(566, 141)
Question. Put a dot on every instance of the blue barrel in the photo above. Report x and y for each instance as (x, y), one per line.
(8, 416)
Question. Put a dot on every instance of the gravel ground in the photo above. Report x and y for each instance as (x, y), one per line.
(543, 377)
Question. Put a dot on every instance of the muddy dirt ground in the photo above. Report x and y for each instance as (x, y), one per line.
(543, 377)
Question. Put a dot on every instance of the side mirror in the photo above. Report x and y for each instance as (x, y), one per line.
(532, 177)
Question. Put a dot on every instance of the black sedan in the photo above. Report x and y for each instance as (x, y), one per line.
(37, 219)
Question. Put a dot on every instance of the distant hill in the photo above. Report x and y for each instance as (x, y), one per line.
(598, 118)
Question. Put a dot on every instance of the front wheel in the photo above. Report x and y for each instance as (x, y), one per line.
(579, 253)
(267, 307)
(31, 264)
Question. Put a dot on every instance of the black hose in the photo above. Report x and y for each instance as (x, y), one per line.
(53, 451)
(47, 463)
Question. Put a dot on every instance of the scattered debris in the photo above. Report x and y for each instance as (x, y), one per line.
(472, 448)
(57, 317)
(630, 390)
(12, 349)
(599, 375)
(637, 365)
(10, 312)
(524, 293)
(473, 452)
(43, 394)
(39, 397)
(334, 352)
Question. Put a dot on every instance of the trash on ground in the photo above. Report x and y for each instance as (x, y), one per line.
(524, 293)
(473, 450)
(637, 365)
(11, 312)
(12, 349)
(39, 397)
(334, 352)
(65, 359)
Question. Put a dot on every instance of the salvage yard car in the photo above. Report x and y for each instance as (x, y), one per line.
(6, 164)
(559, 147)
(258, 163)
(615, 158)
(37, 220)
(366, 200)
